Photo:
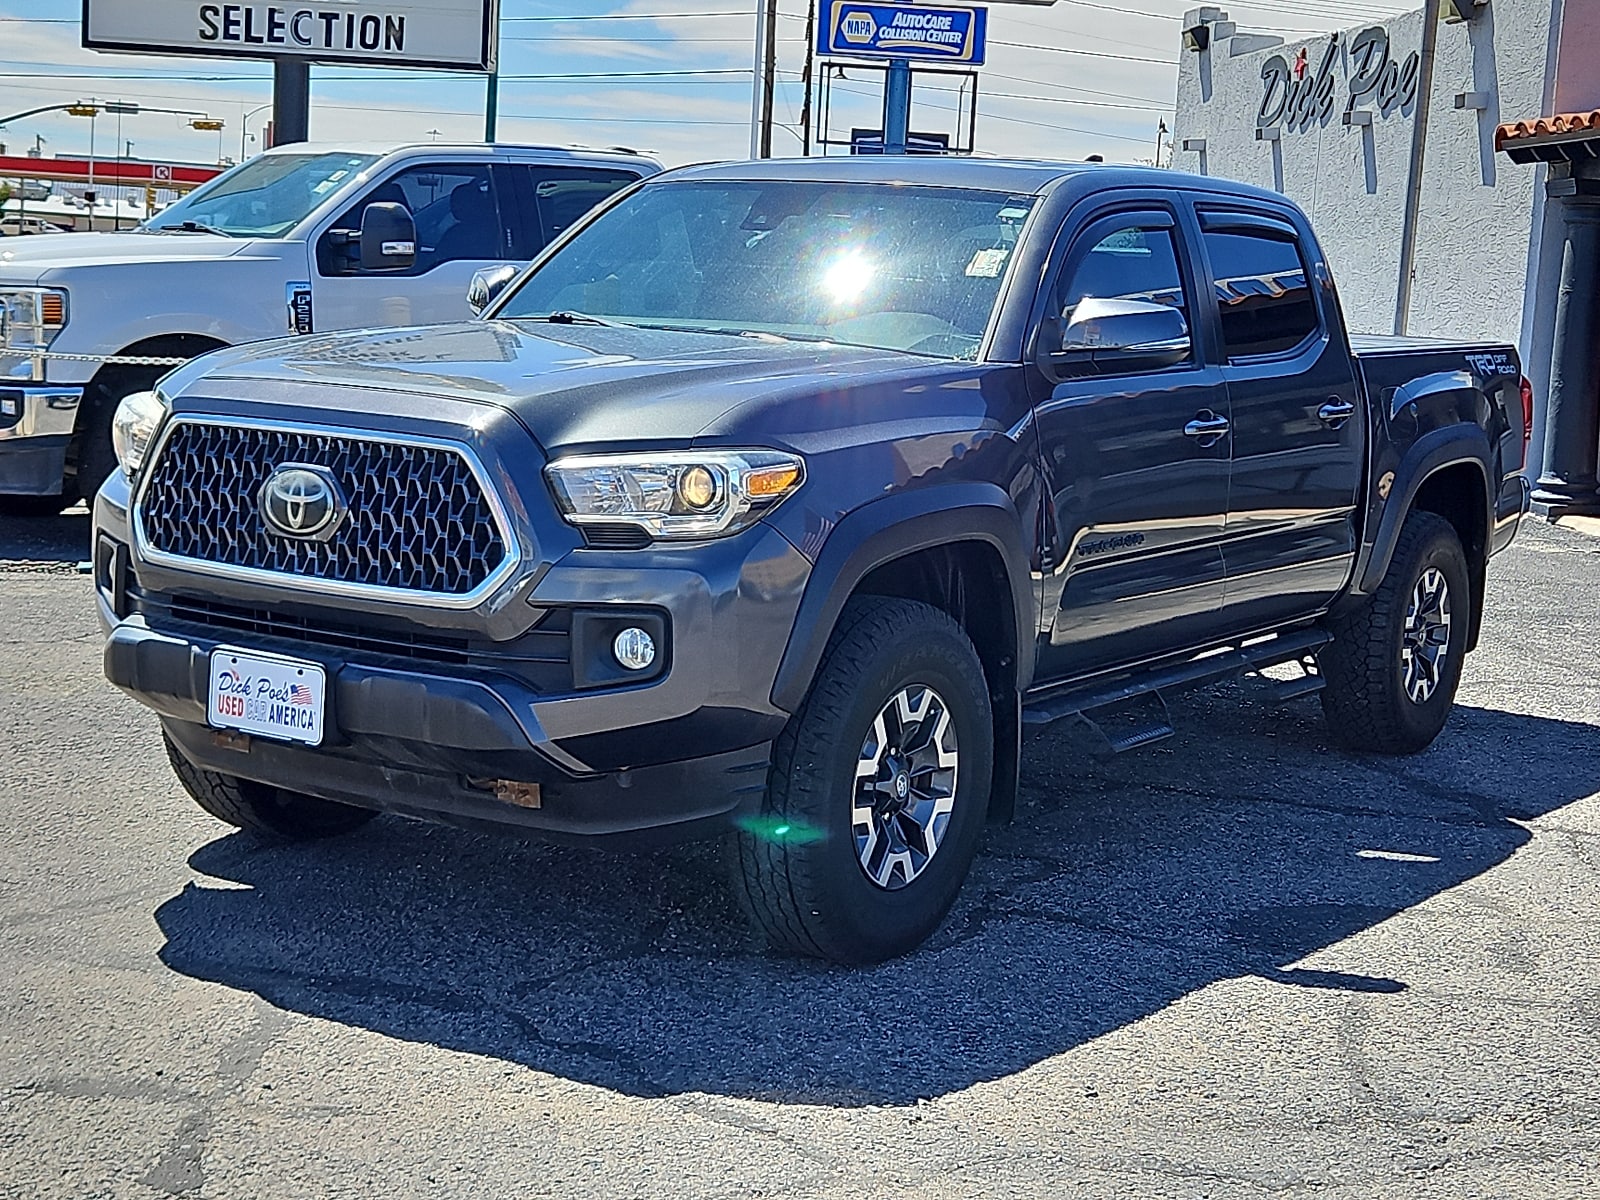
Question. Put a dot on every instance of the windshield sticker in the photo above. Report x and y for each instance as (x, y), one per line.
(987, 264)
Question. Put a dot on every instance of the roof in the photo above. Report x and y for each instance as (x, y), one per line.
(1561, 138)
(1024, 176)
(380, 149)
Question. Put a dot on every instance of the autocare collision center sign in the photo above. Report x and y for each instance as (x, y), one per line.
(913, 31)
(446, 34)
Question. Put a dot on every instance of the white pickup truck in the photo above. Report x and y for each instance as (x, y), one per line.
(299, 239)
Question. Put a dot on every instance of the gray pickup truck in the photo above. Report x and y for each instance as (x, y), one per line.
(777, 501)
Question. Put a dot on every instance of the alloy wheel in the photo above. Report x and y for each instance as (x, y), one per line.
(1426, 637)
(905, 787)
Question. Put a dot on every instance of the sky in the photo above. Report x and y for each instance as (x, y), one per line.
(670, 77)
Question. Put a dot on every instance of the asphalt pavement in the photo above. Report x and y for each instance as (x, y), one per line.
(1238, 964)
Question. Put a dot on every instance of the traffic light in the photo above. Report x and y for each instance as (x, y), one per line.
(83, 110)
(205, 123)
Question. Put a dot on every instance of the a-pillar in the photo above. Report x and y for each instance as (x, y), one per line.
(1567, 480)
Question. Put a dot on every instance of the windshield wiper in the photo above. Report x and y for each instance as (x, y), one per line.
(568, 317)
(193, 227)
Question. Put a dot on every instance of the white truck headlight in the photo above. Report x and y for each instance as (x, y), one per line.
(677, 494)
(134, 425)
(31, 318)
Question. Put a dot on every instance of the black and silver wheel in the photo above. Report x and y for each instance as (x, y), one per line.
(878, 790)
(905, 787)
(1425, 644)
(1394, 664)
(271, 813)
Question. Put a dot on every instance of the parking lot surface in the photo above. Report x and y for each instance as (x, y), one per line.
(1239, 964)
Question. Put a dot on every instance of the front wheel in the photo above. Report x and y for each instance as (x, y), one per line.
(1394, 664)
(878, 790)
(270, 813)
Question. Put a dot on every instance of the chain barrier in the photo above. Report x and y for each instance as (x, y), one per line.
(114, 360)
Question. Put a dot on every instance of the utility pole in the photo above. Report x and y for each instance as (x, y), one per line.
(769, 80)
(807, 77)
(757, 70)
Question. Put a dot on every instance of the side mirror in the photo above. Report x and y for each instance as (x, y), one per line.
(388, 237)
(1107, 334)
(487, 285)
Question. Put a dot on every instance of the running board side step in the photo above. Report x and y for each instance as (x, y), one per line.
(1092, 701)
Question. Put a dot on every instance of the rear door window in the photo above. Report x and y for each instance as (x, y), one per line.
(550, 199)
(1263, 293)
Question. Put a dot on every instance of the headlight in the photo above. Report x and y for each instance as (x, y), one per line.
(679, 494)
(134, 426)
(30, 318)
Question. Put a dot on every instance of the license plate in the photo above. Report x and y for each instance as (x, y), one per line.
(264, 694)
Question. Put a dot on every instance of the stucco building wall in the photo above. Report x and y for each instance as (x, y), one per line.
(1477, 214)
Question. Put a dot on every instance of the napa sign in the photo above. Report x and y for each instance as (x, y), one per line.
(923, 32)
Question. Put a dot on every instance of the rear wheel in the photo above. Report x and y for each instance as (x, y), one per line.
(1394, 664)
(878, 790)
(262, 809)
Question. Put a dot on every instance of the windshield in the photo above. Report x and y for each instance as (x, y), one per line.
(265, 197)
(899, 268)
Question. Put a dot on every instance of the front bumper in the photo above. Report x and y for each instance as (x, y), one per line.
(36, 424)
(678, 757)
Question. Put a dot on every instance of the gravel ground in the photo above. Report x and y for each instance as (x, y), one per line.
(1238, 964)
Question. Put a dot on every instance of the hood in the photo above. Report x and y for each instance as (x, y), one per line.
(26, 260)
(568, 385)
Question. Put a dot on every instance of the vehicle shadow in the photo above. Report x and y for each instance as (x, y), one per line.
(46, 543)
(1238, 850)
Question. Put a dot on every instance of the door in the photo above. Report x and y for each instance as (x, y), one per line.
(1135, 460)
(1299, 424)
(461, 227)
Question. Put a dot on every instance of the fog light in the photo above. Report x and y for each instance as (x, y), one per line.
(634, 648)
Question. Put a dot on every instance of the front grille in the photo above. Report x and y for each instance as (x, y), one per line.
(540, 657)
(419, 520)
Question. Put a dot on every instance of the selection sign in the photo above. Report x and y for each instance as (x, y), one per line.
(441, 34)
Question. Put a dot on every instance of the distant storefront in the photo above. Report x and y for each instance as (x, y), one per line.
(1446, 158)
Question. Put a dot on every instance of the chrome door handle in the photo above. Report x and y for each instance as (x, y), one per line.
(1207, 428)
(1335, 413)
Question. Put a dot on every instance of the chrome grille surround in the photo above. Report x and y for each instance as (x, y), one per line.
(438, 533)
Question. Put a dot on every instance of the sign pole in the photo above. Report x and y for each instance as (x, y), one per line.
(897, 107)
(491, 106)
(291, 100)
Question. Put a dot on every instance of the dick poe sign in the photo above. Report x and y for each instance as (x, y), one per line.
(457, 35)
(923, 32)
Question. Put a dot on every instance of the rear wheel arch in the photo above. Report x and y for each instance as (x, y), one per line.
(1445, 472)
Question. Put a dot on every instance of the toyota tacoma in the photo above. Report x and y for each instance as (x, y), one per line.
(777, 501)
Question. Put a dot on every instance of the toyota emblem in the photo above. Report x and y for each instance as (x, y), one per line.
(301, 502)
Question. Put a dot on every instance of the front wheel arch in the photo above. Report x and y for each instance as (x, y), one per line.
(89, 458)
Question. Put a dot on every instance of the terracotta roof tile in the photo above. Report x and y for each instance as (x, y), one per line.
(1548, 127)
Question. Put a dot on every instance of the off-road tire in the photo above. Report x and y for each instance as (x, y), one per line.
(795, 867)
(270, 813)
(1365, 698)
